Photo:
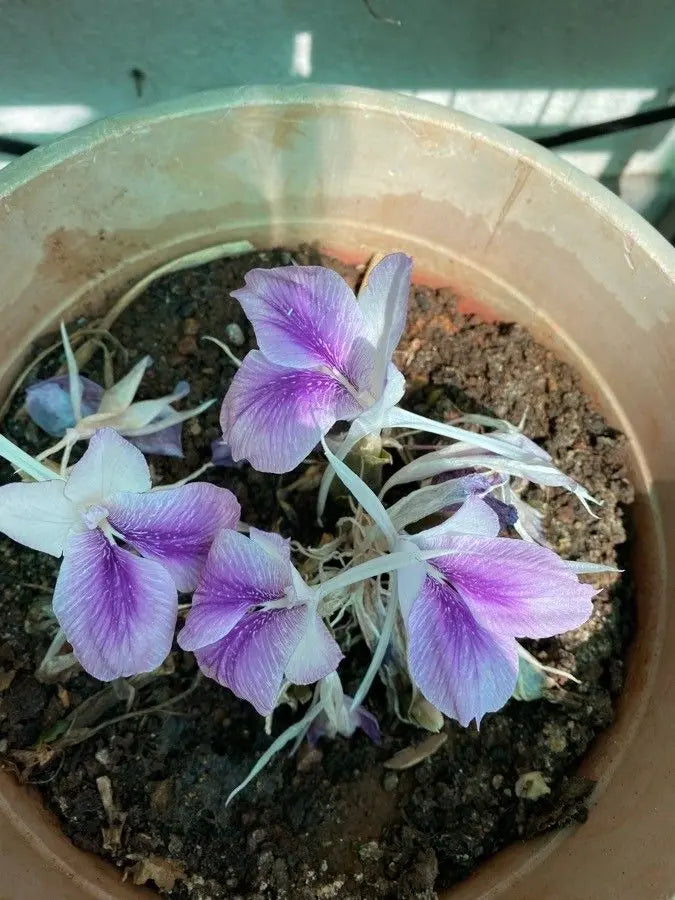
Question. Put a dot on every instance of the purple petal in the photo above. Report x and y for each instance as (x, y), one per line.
(459, 666)
(515, 587)
(49, 406)
(316, 655)
(347, 723)
(239, 574)
(273, 416)
(110, 464)
(176, 526)
(384, 304)
(471, 483)
(117, 610)
(506, 513)
(167, 442)
(221, 455)
(306, 316)
(250, 660)
(366, 721)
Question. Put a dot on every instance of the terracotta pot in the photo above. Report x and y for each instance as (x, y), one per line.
(498, 218)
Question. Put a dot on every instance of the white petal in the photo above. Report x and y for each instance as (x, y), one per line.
(473, 517)
(316, 655)
(37, 515)
(120, 395)
(142, 412)
(363, 494)
(427, 501)
(109, 465)
(402, 418)
(410, 580)
(581, 567)
(384, 302)
(74, 383)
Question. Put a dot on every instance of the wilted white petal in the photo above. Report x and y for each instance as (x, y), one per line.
(120, 395)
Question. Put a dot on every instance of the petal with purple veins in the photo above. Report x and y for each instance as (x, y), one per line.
(274, 416)
(515, 587)
(117, 609)
(272, 543)
(250, 660)
(306, 316)
(110, 464)
(49, 405)
(462, 668)
(239, 574)
(175, 526)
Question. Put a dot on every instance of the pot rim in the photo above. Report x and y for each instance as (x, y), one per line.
(603, 201)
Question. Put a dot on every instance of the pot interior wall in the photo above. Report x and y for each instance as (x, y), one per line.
(505, 225)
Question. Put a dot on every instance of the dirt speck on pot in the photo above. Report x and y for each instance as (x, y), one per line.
(148, 790)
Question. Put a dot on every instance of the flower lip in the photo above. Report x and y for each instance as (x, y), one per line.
(95, 515)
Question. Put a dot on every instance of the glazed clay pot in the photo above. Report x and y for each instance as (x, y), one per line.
(503, 222)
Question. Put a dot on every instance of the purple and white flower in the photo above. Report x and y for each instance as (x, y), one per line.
(116, 607)
(74, 408)
(464, 608)
(49, 405)
(468, 595)
(323, 357)
(254, 622)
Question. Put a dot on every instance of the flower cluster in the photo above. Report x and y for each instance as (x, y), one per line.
(444, 605)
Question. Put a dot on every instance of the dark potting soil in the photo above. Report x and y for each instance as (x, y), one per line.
(148, 790)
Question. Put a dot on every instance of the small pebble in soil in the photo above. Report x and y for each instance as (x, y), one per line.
(390, 781)
(531, 786)
(235, 335)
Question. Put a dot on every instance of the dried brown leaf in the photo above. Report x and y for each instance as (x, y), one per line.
(164, 872)
(413, 756)
(6, 678)
(112, 835)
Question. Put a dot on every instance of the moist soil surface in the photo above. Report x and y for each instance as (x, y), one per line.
(145, 772)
